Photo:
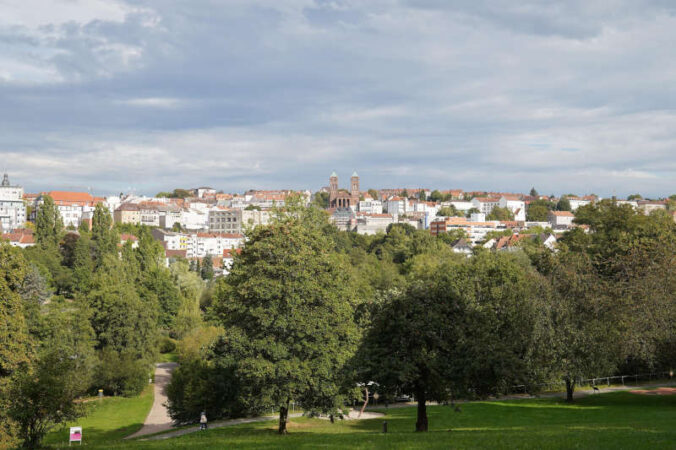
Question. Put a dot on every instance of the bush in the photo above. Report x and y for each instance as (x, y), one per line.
(121, 373)
(167, 345)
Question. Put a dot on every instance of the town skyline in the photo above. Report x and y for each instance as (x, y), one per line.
(30, 186)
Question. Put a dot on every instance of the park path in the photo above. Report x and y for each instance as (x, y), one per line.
(218, 424)
(158, 418)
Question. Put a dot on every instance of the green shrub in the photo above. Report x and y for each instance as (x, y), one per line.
(167, 345)
(121, 373)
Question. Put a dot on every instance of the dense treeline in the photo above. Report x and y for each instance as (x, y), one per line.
(82, 312)
(428, 322)
(310, 315)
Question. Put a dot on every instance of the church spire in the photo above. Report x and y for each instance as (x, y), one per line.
(5, 180)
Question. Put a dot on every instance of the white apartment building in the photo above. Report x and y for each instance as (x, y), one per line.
(514, 204)
(370, 224)
(199, 245)
(12, 207)
(370, 206)
(485, 204)
(74, 207)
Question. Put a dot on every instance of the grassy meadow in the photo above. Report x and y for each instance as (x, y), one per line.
(615, 420)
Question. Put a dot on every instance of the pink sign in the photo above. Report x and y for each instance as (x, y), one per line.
(75, 434)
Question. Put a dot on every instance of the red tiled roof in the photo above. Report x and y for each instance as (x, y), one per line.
(176, 253)
(227, 253)
(128, 237)
(63, 196)
(562, 213)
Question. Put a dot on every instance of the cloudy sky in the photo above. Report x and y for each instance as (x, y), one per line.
(112, 95)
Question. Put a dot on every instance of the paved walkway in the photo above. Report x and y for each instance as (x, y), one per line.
(158, 419)
(218, 424)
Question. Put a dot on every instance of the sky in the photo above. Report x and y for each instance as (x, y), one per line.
(140, 96)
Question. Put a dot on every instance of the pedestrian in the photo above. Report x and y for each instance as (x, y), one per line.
(203, 421)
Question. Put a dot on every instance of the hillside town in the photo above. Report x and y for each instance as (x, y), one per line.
(203, 221)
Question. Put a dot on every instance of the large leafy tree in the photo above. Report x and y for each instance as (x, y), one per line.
(48, 224)
(15, 342)
(103, 235)
(288, 311)
(44, 394)
(585, 320)
(463, 327)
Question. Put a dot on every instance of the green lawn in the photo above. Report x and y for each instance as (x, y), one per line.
(108, 420)
(616, 420)
(168, 357)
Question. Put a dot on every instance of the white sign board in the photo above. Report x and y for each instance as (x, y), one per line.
(75, 435)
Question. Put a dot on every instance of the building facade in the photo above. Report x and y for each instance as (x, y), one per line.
(342, 199)
(12, 207)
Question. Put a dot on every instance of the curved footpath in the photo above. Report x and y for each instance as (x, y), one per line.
(158, 418)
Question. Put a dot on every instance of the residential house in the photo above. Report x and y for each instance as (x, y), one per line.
(560, 219)
(20, 237)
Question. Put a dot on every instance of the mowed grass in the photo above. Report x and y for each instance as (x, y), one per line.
(107, 420)
(613, 421)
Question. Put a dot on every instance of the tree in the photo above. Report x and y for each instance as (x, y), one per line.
(538, 210)
(48, 224)
(423, 195)
(207, 271)
(462, 324)
(43, 397)
(288, 312)
(16, 345)
(374, 194)
(499, 213)
(176, 227)
(584, 319)
(448, 211)
(563, 204)
(635, 197)
(472, 211)
(121, 320)
(404, 193)
(533, 192)
(103, 235)
(436, 196)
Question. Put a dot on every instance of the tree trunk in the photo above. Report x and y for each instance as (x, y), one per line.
(366, 402)
(570, 388)
(421, 423)
(283, 418)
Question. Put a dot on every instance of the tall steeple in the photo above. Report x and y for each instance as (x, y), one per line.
(354, 185)
(5, 180)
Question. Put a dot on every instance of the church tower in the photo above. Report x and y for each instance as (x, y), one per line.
(354, 185)
(333, 187)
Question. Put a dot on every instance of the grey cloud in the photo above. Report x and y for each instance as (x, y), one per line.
(476, 95)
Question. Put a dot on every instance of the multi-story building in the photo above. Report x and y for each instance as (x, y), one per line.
(475, 231)
(73, 206)
(199, 245)
(12, 207)
(515, 205)
(485, 204)
(229, 220)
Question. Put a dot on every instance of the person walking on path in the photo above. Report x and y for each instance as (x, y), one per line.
(203, 421)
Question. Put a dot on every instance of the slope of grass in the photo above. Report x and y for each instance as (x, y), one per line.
(616, 420)
(108, 420)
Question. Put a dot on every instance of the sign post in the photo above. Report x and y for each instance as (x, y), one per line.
(75, 435)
